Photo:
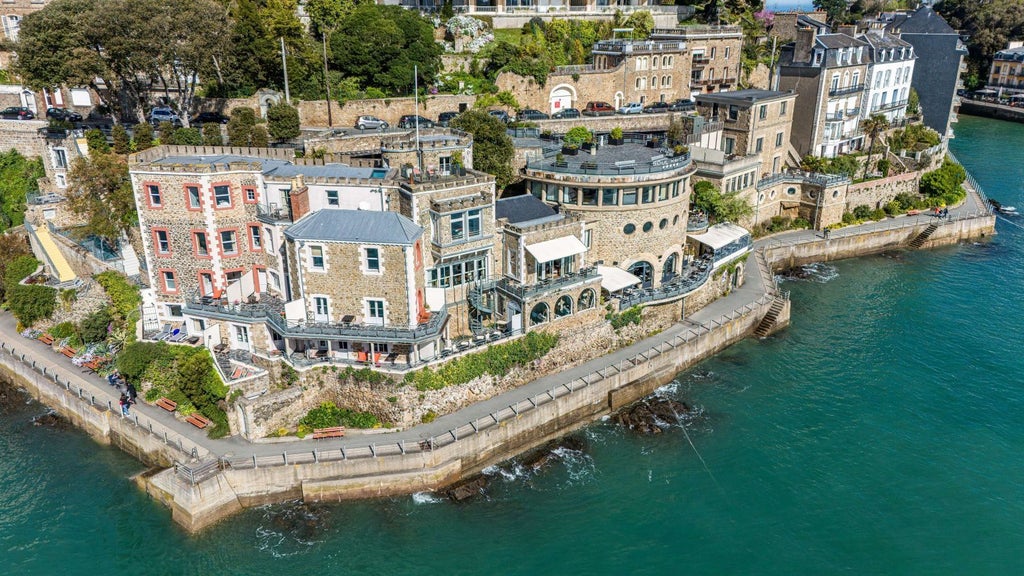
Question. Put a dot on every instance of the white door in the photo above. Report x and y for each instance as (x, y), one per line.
(242, 338)
(561, 99)
(320, 312)
(515, 316)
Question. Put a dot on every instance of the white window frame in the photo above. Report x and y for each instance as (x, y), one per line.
(333, 198)
(365, 260)
(369, 306)
(233, 241)
(322, 267)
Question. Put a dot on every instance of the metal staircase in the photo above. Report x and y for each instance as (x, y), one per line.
(481, 306)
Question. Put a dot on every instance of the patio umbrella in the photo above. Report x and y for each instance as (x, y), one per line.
(986, 91)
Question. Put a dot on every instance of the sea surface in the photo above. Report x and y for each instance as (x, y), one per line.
(882, 433)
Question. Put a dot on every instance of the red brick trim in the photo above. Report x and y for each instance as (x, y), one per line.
(163, 280)
(220, 244)
(252, 246)
(156, 242)
(255, 195)
(195, 244)
(228, 271)
(213, 281)
(188, 198)
(213, 195)
(149, 198)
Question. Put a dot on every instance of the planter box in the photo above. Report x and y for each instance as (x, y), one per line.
(616, 141)
(570, 151)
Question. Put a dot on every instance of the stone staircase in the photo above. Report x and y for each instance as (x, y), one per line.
(768, 322)
(923, 236)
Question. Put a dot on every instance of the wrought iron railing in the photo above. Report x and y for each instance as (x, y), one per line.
(525, 291)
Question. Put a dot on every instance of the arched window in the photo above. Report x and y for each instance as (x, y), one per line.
(644, 271)
(654, 81)
(666, 81)
(539, 314)
(668, 270)
(563, 306)
(586, 300)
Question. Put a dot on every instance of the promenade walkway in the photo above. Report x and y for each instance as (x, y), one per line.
(758, 287)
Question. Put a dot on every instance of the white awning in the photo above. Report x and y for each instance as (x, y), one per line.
(614, 279)
(721, 235)
(556, 249)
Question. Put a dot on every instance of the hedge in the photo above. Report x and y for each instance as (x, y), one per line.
(496, 361)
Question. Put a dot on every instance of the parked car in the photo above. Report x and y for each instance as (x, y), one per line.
(158, 115)
(444, 118)
(566, 113)
(210, 118)
(656, 108)
(371, 123)
(17, 113)
(501, 115)
(598, 109)
(632, 108)
(682, 105)
(63, 115)
(531, 114)
(409, 121)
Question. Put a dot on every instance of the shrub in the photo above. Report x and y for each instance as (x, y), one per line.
(63, 330)
(143, 137)
(289, 375)
(136, 357)
(428, 417)
(893, 208)
(617, 133)
(19, 269)
(877, 214)
(328, 415)
(367, 375)
(577, 135)
(283, 121)
(496, 361)
(945, 183)
(96, 141)
(187, 137)
(625, 318)
(122, 143)
(212, 135)
(862, 212)
(31, 302)
(96, 326)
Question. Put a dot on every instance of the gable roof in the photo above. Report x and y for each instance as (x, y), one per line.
(363, 226)
(525, 208)
(924, 20)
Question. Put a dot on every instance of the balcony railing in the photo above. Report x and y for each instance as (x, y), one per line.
(824, 180)
(675, 288)
(701, 60)
(526, 291)
(273, 215)
(894, 105)
(580, 165)
(833, 116)
(847, 90)
(274, 316)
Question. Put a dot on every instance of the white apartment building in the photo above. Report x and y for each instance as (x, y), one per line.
(889, 76)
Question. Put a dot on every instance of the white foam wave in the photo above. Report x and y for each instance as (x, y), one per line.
(426, 498)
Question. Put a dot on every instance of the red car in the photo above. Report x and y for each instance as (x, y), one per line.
(599, 109)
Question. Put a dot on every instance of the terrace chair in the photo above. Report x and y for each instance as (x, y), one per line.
(164, 333)
(178, 335)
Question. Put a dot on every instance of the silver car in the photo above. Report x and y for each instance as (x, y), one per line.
(371, 123)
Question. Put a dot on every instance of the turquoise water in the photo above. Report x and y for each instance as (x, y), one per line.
(880, 434)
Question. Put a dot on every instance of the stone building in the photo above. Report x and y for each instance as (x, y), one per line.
(633, 199)
(828, 73)
(786, 23)
(1007, 70)
(890, 77)
(940, 63)
(674, 63)
(755, 123)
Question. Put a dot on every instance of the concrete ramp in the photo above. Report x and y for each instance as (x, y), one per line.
(50, 254)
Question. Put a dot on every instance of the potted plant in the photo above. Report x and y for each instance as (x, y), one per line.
(616, 139)
(457, 163)
(560, 160)
(546, 135)
(574, 138)
(654, 142)
(680, 150)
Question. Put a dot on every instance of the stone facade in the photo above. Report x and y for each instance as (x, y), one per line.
(756, 123)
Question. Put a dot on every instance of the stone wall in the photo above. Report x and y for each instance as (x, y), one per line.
(876, 193)
(23, 136)
(313, 113)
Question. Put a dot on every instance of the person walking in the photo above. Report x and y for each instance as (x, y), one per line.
(123, 403)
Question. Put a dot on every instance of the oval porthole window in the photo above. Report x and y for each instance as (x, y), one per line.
(760, 197)
(663, 223)
(772, 195)
(648, 226)
(835, 193)
(812, 194)
(791, 191)
(629, 229)
(675, 220)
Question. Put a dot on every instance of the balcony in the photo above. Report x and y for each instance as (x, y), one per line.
(700, 60)
(273, 214)
(271, 311)
(727, 81)
(834, 116)
(525, 291)
(677, 287)
(895, 105)
(844, 91)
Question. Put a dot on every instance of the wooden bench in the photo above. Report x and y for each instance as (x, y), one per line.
(336, 432)
(198, 420)
(46, 339)
(167, 404)
(93, 364)
(68, 351)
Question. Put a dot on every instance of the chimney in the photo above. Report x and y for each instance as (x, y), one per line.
(299, 198)
(804, 44)
(848, 29)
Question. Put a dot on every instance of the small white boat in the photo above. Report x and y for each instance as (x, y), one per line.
(1008, 210)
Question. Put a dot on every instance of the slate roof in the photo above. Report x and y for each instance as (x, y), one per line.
(272, 167)
(835, 41)
(364, 226)
(525, 208)
(1012, 54)
(924, 20)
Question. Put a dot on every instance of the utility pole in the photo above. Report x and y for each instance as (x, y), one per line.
(284, 64)
(327, 83)
(416, 100)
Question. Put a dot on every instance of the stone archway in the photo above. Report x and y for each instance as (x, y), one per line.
(644, 271)
(561, 97)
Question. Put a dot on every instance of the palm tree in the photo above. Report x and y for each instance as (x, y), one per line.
(872, 127)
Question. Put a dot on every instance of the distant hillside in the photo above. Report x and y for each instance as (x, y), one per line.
(990, 25)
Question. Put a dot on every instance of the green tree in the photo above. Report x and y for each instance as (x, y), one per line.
(125, 43)
(260, 136)
(379, 45)
(19, 177)
(836, 10)
(95, 326)
(913, 102)
(719, 207)
(492, 147)
(31, 302)
(100, 191)
(122, 142)
(96, 141)
(945, 183)
(187, 137)
(873, 127)
(212, 135)
(13, 247)
(325, 15)
(143, 136)
(641, 21)
(240, 126)
(166, 132)
(283, 121)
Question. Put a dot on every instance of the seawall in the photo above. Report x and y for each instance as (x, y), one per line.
(991, 110)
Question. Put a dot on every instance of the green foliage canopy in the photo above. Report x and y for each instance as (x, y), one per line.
(492, 147)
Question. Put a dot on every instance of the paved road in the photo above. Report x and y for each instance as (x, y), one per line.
(752, 289)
